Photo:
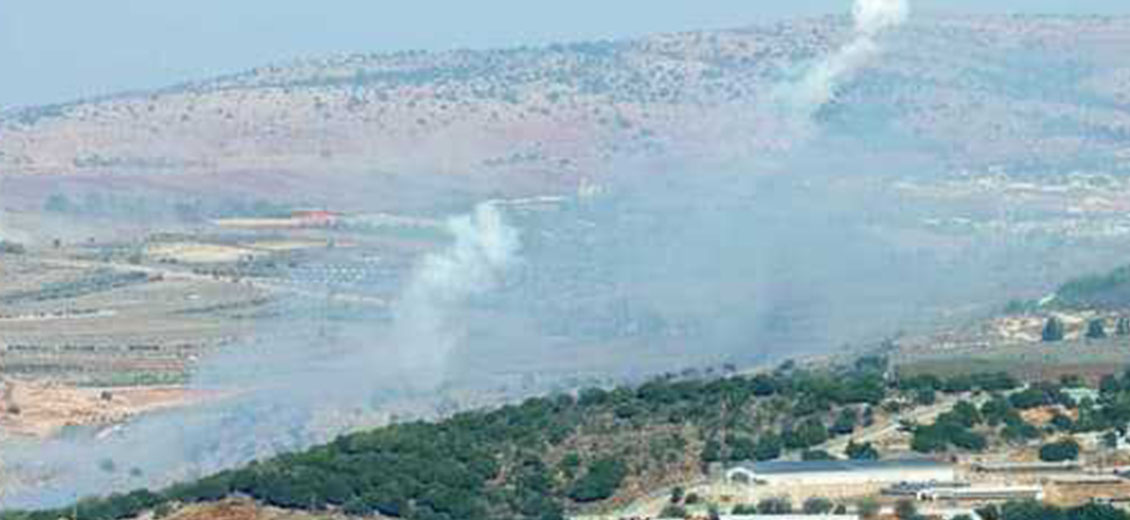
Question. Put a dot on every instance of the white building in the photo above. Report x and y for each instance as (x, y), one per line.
(789, 517)
(984, 493)
(836, 472)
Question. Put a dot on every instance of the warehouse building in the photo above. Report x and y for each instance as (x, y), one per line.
(982, 494)
(834, 472)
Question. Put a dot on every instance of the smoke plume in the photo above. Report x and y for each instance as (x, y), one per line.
(818, 85)
(292, 386)
(423, 332)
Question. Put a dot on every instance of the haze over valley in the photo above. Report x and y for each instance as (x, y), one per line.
(218, 272)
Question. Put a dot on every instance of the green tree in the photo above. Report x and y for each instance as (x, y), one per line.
(1064, 450)
(775, 506)
(1122, 327)
(811, 455)
(1053, 330)
(1096, 329)
(989, 512)
(818, 506)
(864, 451)
(677, 494)
(673, 511)
(601, 481)
(906, 510)
(845, 422)
(1110, 439)
(768, 447)
(868, 507)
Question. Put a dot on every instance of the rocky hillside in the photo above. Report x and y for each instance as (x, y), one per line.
(1019, 92)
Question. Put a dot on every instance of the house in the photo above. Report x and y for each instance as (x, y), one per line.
(315, 218)
(1078, 395)
(841, 472)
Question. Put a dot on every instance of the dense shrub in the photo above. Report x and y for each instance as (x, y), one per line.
(1064, 450)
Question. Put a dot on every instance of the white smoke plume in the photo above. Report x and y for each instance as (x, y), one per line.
(425, 332)
(818, 85)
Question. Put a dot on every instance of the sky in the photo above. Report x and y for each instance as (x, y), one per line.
(59, 50)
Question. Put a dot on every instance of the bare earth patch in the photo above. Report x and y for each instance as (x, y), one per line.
(43, 409)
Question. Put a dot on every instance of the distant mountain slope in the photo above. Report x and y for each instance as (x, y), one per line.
(1021, 92)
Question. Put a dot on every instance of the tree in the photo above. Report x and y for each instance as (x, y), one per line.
(864, 451)
(811, 455)
(741, 447)
(818, 506)
(1122, 327)
(1064, 450)
(868, 507)
(677, 494)
(673, 511)
(989, 512)
(1053, 330)
(1096, 329)
(768, 447)
(775, 506)
(906, 510)
(601, 481)
(926, 397)
(966, 414)
(810, 433)
(1062, 422)
(712, 451)
(1110, 440)
(845, 422)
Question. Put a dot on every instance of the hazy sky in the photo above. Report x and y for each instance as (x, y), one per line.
(56, 50)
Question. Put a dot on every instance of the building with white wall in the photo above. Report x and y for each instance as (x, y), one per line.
(841, 472)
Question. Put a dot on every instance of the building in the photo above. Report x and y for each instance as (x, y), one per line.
(789, 517)
(1026, 467)
(835, 472)
(980, 494)
(315, 218)
(1078, 395)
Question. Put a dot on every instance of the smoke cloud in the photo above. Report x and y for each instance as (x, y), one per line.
(302, 380)
(423, 332)
(817, 86)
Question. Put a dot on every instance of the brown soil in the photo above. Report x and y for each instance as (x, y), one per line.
(42, 409)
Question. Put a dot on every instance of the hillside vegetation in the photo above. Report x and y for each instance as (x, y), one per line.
(974, 91)
(1102, 291)
(565, 453)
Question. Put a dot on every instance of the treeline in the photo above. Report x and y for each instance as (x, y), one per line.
(539, 459)
(967, 426)
(1109, 290)
(1031, 510)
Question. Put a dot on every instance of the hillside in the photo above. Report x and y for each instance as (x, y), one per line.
(596, 450)
(1014, 92)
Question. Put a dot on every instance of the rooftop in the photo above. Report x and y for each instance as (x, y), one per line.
(782, 467)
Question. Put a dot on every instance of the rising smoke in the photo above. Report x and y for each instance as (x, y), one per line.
(668, 270)
(292, 386)
(817, 87)
(424, 335)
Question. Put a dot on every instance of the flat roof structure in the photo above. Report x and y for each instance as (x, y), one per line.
(842, 471)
